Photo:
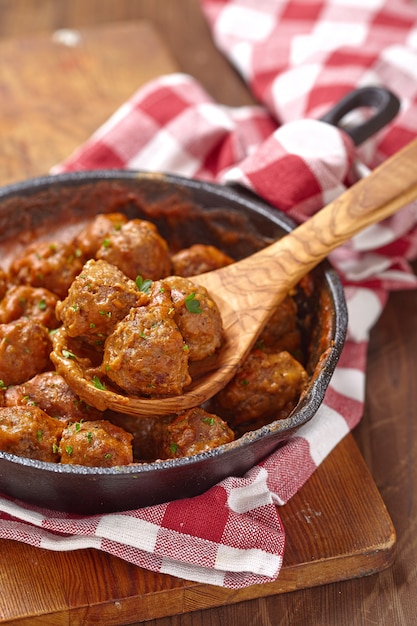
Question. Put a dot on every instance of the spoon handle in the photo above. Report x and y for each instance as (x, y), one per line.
(388, 188)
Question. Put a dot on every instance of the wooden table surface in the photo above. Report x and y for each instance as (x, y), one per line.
(387, 434)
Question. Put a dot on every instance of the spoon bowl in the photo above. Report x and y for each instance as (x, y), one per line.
(248, 291)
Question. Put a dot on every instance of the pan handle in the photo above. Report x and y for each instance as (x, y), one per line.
(385, 104)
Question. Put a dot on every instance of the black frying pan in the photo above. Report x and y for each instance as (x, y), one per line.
(185, 211)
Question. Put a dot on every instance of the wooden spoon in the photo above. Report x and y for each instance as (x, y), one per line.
(249, 290)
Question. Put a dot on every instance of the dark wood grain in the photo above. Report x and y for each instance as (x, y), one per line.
(387, 435)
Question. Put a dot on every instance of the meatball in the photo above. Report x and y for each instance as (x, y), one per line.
(24, 350)
(3, 283)
(267, 385)
(97, 300)
(95, 444)
(137, 249)
(92, 236)
(30, 432)
(282, 321)
(197, 316)
(146, 353)
(52, 265)
(281, 332)
(50, 392)
(147, 433)
(26, 301)
(194, 431)
(198, 259)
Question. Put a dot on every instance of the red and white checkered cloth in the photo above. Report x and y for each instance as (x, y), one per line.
(298, 58)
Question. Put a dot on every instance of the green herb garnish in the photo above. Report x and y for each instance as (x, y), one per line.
(143, 285)
(67, 354)
(192, 304)
(28, 401)
(98, 384)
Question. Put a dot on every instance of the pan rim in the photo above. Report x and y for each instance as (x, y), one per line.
(308, 405)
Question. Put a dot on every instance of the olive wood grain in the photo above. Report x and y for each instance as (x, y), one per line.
(249, 290)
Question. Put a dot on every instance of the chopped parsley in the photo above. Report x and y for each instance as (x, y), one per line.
(143, 285)
(28, 401)
(67, 354)
(192, 304)
(98, 384)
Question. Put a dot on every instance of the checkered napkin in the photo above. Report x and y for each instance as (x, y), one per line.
(298, 58)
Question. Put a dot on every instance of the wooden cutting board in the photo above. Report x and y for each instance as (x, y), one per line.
(54, 95)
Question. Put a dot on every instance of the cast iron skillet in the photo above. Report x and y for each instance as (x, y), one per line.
(185, 211)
